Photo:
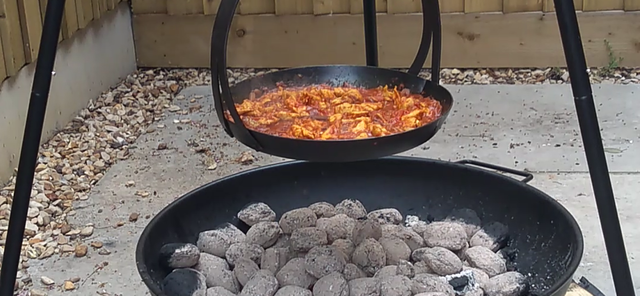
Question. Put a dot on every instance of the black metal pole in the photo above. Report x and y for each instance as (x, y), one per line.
(594, 150)
(30, 144)
(370, 32)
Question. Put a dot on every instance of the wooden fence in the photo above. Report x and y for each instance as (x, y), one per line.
(21, 28)
(476, 33)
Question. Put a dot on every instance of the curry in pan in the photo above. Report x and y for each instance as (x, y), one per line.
(323, 112)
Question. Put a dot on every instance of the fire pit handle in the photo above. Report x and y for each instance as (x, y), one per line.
(526, 175)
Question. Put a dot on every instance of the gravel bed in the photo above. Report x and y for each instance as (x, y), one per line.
(75, 159)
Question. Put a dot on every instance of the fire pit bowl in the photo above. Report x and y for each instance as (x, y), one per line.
(547, 238)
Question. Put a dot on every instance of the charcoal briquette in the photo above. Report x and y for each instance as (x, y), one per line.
(369, 256)
(323, 209)
(365, 228)
(244, 269)
(219, 291)
(364, 287)
(323, 260)
(264, 234)
(507, 284)
(333, 284)
(185, 282)
(304, 239)
(297, 218)
(262, 283)
(387, 271)
(425, 282)
(294, 273)
(293, 291)
(397, 285)
(483, 258)
(448, 235)
(339, 226)
(256, 212)
(352, 272)
(459, 283)
(468, 218)
(405, 268)
(493, 236)
(244, 250)
(442, 261)
(179, 255)
(217, 241)
(386, 216)
(352, 208)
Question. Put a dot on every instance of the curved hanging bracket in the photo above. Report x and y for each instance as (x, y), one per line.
(220, 81)
(431, 30)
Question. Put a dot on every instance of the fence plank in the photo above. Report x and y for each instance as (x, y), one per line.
(296, 7)
(70, 19)
(84, 10)
(451, 6)
(356, 6)
(104, 6)
(403, 6)
(3, 69)
(183, 7)
(31, 23)
(473, 6)
(149, 6)
(600, 5)
(111, 4)
(257, 7)
(321, 7)
(95, 8)
(210, 7)
(548, 6)
(510, 6)
(11, 33)
(631, 5)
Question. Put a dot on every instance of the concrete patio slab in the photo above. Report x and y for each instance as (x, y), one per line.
(509, 116)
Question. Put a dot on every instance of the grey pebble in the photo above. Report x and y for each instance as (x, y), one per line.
(256, 212)
(304, 239)
(339, 226)
(184, 282)
(449, 235)
(219, 291)
(294, 273)
(264, 234)
(323, 260)
(244, 250)
(244, 269)
(217, 241)
(386, 216)
(468, 218)
(179, 255)
(352, 208)
(364, 287)
(323, 209)
(490, 235)
(484, 259)
(369, 256)
(365, 228)
(511, 283)
(263, 283)
(293, 291)
(333, 284)
(297, 218)
(443, 261)
(397, 285)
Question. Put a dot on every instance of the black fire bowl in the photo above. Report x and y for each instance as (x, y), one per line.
(547, 238)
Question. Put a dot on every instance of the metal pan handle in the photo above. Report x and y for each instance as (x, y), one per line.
(219, 80)
(526, 175)
(431, 29)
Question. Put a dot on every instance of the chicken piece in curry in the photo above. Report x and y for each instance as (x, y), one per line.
(323, 112)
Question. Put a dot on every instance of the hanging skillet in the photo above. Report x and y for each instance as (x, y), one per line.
(342, 150)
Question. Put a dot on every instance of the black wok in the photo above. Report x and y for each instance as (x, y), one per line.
(359, 76)
(547, 237)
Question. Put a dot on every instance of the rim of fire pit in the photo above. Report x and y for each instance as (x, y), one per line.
(563, 280)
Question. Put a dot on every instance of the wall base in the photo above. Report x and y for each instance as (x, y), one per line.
(94, 59)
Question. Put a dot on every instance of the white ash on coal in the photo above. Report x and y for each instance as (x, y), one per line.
(344, 250)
